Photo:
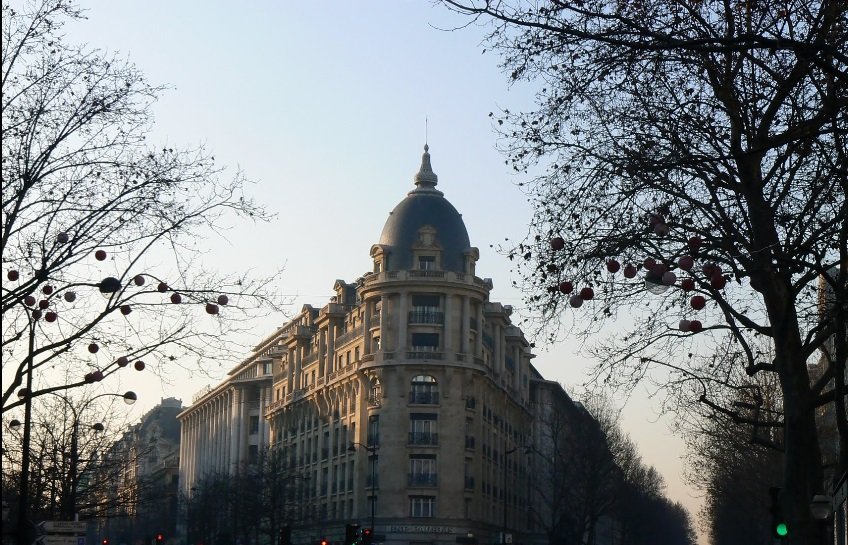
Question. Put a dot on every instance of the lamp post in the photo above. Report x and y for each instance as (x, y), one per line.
(68, 508)
(372, 451)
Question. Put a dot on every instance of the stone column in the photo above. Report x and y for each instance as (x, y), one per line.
(384, 323)
(234, 426)
(478, 340)
(322, 353)
(366, 333)
(465, 327)
(517, 372)
(298, 368)
(402, 321)
(448, 329)
(331, 345)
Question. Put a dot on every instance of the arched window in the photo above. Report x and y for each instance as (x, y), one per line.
(424, 390)
(375, 392)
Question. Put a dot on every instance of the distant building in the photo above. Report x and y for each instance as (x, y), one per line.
(145, 497)
(405, 399)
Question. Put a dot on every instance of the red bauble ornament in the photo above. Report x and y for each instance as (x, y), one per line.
(62, 238)
(126, 309)
(223, 299)
(717, 281)
(162, 287)
(43, 304)
(669, 278)
(698, 302)
(100, 255)
(139, 365)
(97, 376)
(139, 280)
(176, 298)
(630, 271)
(686, 262)
(661, 229)
(656, 219)
(575, 301)
(695, 326)
(688, 284)
(695, 243)
(29, 300)
(587, 294)
(566, 287)
(613, 266)
(13, 275)
(557, 243)
(36, 314)
(47, 289)
(23, 393)
(211, 308)
(684, 325)
(89, 377)
(649, 263)
(93, 348)
(50, 316)
(70, 296)
(123, 361)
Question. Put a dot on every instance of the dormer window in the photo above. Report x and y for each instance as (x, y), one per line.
(426, 262)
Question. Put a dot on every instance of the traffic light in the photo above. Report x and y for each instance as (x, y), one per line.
(104, 541)
(367, 536)
(351, 534)
(160, 538)
(324, 542)
(779, 524)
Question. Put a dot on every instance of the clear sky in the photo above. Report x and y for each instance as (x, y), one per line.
(323, 104)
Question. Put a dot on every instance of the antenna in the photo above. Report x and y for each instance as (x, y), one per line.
(426, 130)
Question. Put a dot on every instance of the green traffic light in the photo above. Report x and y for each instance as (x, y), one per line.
(781, 529)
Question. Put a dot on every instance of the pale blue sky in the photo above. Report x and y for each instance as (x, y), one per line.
(323, 105)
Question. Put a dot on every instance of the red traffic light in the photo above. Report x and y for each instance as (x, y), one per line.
(104, 541)
(324, 542)
(367, 532)
(160, 537)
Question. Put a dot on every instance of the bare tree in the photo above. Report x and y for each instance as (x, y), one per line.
(696, 149)
(100, 227)
(69, 474)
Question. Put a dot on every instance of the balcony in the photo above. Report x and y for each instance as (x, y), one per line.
(348, 336)
(424, 355)
(426, 317)
(424, 398)
(423, 479)
(423, 438)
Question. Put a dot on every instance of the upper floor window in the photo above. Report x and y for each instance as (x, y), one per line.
(424, 389)
(422, 506)
(425, 342)
(426, 262)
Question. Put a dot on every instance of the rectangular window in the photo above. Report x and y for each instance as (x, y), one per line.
(426, 301)
(347, 358)
(423, 429)
(422, 470)
(422, 506)
(252, 454)
(268, 368)
(425, 341)
(427, 262)
(356, 354)
(253, 428)
(373, 430)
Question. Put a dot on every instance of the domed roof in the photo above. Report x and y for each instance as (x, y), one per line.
(425, 218)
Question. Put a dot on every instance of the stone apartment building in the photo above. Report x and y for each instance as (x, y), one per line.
(403, 403)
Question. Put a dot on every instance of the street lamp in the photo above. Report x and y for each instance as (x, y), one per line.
(372, 451)
(69, 504)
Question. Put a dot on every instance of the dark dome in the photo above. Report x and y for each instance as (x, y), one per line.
(424, 206)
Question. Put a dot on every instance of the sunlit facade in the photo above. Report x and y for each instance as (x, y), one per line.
(405, 398)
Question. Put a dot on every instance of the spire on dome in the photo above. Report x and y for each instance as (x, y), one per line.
(426, 178)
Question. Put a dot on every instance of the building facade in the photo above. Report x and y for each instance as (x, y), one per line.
(145, 497)
(401, 404)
